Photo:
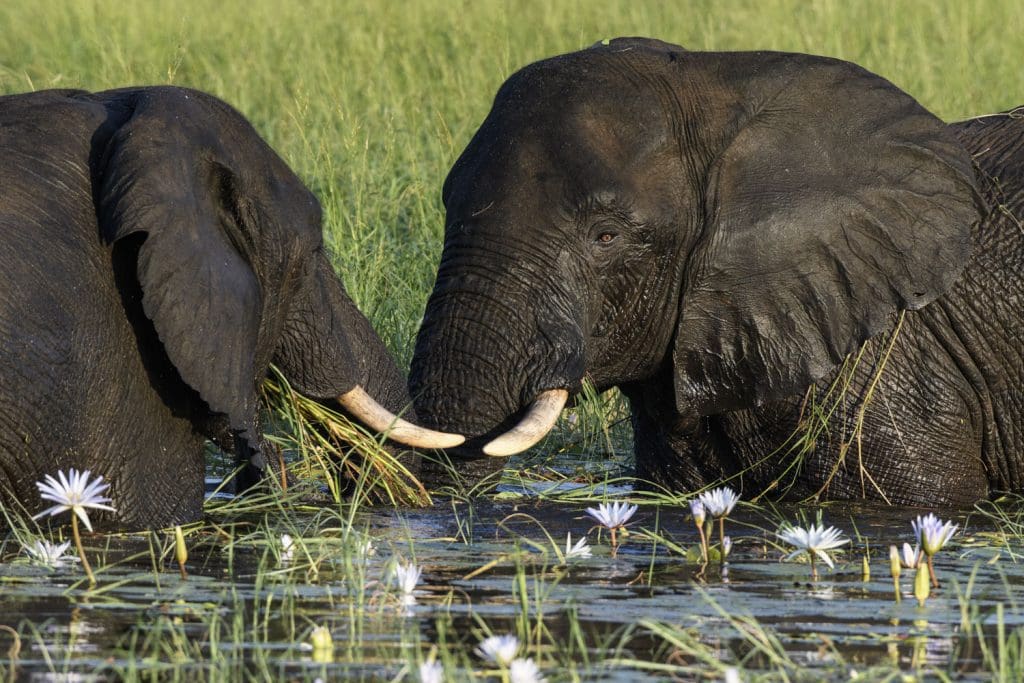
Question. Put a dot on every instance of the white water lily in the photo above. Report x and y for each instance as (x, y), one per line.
(719, 502)
(524, 671)
(407, 576)
(500, 650)
(431, 672)
(932, 533)
(287, 548)
(909, 557)
(73, 491)
(613, 515)
(576, 550)
(50, 554)
(815, 540)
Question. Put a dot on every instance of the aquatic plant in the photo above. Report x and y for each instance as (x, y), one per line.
(895, 568)
(932, 534)
(699, 515)
(407, 576)
(577, 550)
(910, 557)
(718, 504)
(75, 492)
(322, 643)
(613, 516)
(180, 551)
(48, 553)
(524, 671)
(431, 671)
(922, 585)
(498, 650)
(814, 541)
(287, 548)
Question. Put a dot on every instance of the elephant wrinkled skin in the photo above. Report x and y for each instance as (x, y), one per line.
(155, 257)
(714, 233)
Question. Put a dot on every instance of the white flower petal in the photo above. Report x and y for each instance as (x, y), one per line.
(825, 558)
(82, 515)
(795, 554)
(500, 650)
(524, 671)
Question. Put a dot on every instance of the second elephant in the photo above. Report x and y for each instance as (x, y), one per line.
(155, 257)
(718, 234)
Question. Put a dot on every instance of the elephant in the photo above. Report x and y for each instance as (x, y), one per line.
(758, 249)
(156, 256)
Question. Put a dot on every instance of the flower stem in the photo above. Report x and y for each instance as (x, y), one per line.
(703, 544)
(721, 539)
(931, 572)
(896, 588)
(814, 568)
(81, 549)
(615, 543)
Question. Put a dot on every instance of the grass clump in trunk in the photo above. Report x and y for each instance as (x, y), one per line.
(327, 444)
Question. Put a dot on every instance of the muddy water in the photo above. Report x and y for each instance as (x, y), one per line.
(230, 618)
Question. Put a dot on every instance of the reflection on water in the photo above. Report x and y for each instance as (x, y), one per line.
(228, 603)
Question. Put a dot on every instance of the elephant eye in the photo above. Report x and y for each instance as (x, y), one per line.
(606, 237)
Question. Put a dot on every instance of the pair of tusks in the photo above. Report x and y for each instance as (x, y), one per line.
(537, 422)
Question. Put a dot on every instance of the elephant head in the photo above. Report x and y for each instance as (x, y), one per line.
(730, 225)
(156, 257)
(230, 263)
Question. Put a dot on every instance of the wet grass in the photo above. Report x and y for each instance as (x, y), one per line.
(371, 103)
(248, 607)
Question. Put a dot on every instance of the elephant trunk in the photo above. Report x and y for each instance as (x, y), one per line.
(487, 359)
(329, 351)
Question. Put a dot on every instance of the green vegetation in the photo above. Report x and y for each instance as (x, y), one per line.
(371, 103)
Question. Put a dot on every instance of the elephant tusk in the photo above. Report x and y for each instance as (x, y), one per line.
(380, 419)
(537, 422)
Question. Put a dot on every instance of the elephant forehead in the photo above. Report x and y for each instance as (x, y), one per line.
(588, 154)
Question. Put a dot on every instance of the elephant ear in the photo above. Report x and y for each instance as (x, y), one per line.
(168, 178)
(837, 201)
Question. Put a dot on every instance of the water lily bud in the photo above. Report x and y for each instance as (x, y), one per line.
(320, 638)
(922, 583)
(323, 644)
(895, 566)
(698, 512)
(180, 550)
(726, 547)
(865, 569)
